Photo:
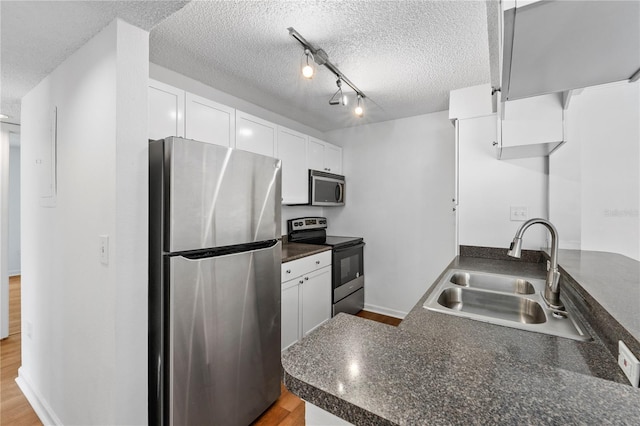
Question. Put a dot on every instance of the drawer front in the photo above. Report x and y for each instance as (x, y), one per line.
(299, 267)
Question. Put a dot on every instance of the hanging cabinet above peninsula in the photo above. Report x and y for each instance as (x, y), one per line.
(557, 46)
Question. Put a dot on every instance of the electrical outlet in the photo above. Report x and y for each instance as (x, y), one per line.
(629, 363)
(519, 213)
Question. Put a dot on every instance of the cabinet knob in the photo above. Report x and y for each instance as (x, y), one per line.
(494, 143)
(306, 278)
(301, 282)
(288, 271)
(317, 262)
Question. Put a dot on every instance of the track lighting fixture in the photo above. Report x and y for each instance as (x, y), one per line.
(307, 69)
(358, 110)
(320, 57)
(339, 98)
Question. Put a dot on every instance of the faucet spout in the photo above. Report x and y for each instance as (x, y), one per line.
(552, 286)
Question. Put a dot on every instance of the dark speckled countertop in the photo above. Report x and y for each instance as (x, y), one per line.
(293, 251)
(440, 369)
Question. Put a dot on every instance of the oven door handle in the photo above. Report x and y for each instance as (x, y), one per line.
(355, 246)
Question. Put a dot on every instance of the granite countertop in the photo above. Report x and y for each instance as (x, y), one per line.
(293, 251)
(619, 296)
(441, 369)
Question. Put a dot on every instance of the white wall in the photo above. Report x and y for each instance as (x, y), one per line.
(595, 176)
(84, 340)
(400, 181)
(488, 187)
(14, 207)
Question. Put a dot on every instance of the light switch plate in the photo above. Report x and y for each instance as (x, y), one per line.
(519, 213)
(629, 363)
(103, 249)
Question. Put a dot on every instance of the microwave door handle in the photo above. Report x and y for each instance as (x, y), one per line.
(339, 192)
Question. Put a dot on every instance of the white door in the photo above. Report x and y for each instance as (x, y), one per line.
(315, 154)
(316, 299)
(254, 134)
(292, 150)
(165, 111)
(208, 121)
(290, 315)
(333, 159)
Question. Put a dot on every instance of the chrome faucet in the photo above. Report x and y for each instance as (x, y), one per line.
(552, 286)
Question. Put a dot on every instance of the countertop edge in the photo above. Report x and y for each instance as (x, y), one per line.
(295, 251)
(331, 403)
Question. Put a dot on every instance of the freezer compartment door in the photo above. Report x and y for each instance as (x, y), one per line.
(217, 196)
(224, 349)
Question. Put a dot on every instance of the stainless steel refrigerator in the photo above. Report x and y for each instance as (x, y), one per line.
(214, 283)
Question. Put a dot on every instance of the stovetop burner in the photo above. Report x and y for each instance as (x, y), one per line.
(313, 230)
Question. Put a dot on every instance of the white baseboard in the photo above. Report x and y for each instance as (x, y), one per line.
(39, 405)
(385, 311)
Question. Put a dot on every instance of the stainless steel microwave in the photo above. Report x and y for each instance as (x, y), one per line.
(326, 189)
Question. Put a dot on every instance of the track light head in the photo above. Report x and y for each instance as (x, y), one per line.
(307, 69)
(359, 111)
(339, 98)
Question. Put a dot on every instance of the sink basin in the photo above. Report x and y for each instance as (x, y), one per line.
(504, 306)
(506, 300)
(493, 282)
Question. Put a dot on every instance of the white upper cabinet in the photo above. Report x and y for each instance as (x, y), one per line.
(556, 46)
(531, 127)
(208, 121)
(333, 158)
(315, 154)
(292, 150)
(166, 111)
(471, 102)
(254, 134)
(324, 156)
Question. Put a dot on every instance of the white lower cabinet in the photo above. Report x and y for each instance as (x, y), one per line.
(316, 299)
(290, 313)
(306, 296)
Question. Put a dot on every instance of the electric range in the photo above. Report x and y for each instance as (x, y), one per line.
(347, 278)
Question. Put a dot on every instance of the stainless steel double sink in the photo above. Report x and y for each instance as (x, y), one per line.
(506, 300)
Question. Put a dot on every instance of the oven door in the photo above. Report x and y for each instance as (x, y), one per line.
(348, 271)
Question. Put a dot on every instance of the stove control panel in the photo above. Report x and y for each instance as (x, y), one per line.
(306, 223)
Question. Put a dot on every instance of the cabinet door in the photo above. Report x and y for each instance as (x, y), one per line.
(290, 316)
(292, 150)
(333, 159)
(315, 154)
(165, 111)
(254, 134)
(316, 299)
(208, 121)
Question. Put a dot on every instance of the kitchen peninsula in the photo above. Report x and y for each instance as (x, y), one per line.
(441, 369)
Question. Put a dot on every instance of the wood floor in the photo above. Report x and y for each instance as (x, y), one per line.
(15, 410)
(14, 407)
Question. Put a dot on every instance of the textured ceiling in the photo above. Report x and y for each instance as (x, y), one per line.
(36, 36)
(404, 55)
